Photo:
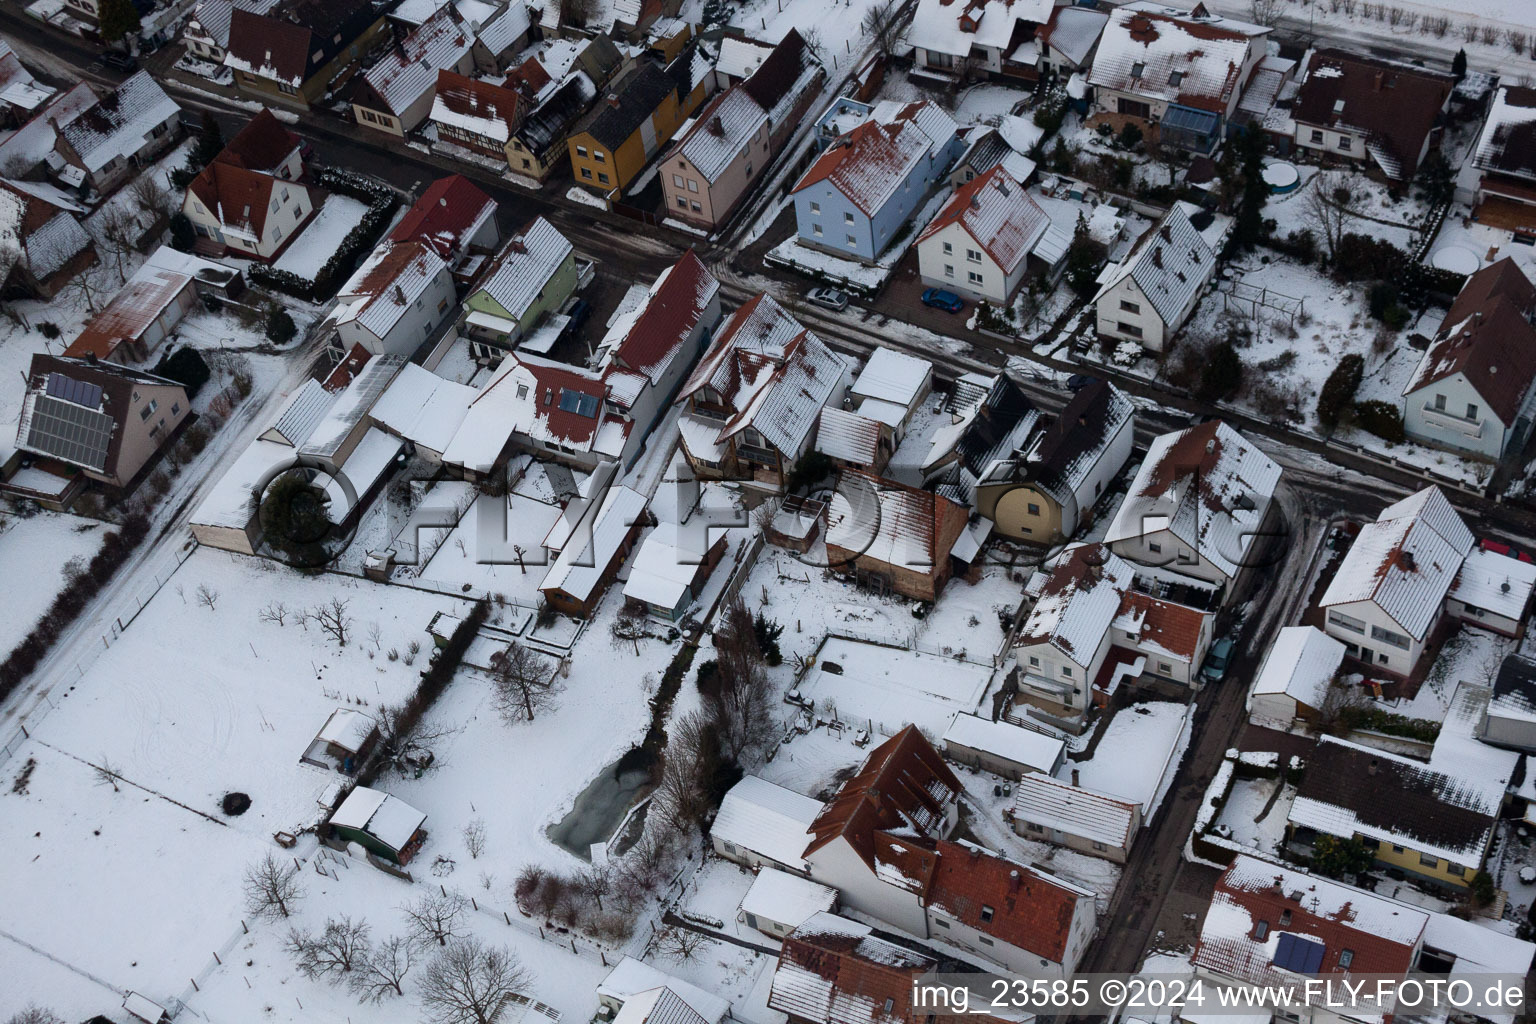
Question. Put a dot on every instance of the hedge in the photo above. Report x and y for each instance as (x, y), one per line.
(1374, 719)
(1381, 419)
(1339, 390)
(382, 202)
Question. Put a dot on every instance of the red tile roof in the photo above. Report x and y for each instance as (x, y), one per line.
(140, 303)
(868, 163)
(1488, 337)
(528, 78)
(237, 197)
(487, 101)
(1173, 627)
(1028, 909)
(669, 317)
(832, 969)
(345, 371)
(262, 145)
(448, 210)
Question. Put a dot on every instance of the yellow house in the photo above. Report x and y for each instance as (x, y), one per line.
(1432, 820)
(640, 112)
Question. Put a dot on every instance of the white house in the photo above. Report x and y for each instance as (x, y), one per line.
(1492, 591)
(1351, 106)
(983, 37)
(1001, 748)
(1294, 680)
(1474, 382)
(777, 902)
(1199, 506)
(1099, 824)
(761, 825)
(980, 243)
(395, 301)
(246, 213)
(1390, 590)
(1151, 293)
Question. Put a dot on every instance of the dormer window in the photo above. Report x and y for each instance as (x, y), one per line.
(1137, 69)
(1346, 957)
(986, 914)
(1261, 931)
(1285, 918)
(1176, 78)
(522, 391)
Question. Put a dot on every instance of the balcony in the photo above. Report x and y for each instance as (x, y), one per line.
(760, 456)
(1449, 421)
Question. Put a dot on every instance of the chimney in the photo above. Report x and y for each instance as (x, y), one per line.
(1210, 447)
(975, 853)
(1082, 421)
(1376, 84)
(1074, 776)
(613, 100)
(1013, 880)
(90, 358)
(518, 246)
(1372, 769)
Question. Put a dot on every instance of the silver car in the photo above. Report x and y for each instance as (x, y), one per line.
(830, 298)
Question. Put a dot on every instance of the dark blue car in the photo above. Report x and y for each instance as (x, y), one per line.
(938, 298)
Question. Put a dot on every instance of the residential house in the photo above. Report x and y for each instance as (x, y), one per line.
(42, 245)
(385, 826)
(752, 404)
(581, 574)
(1389, 593)
(1201, 506)
(146, 310)
(1360, 108)
(501, 38)
(476, 117)
(107, 142)
(1150, 294)
(706, 173)
(98, 419)
(637, 993)
(31, 151)
(864, 189)
(1047, 491)
(832, 968)
(266, 145)
(764, 826)
(739, 57)
(986, 147)
(420, 407)
(206, 34)
(1432, 821)
(853, 441)
(1180, 73)
(637, 117)
(981, 243)
(876, 411)
(397, 93)
(1090, 628)
(1047, 809)
(1492, 591)
(670, 570)
(1506, 155)
(989, 418)
(21, 95)
(978, 38)
(1509, 720)
(1473, 388)
(777, 902)
(891, 537)
(394, 302)
(538, 145)
(1295, 678)
(291, 53)
(531, 278)
(1069, 39)
(240, 212)
(1001, 748)
(454, 217)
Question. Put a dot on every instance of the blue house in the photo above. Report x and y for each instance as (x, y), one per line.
(859, 194)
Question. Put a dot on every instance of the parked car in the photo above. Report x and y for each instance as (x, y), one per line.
(831, 298)
(1218, 660)
(938, 298)
(1508, 550)
(1078, 381)
(581, 312)
(119, 61)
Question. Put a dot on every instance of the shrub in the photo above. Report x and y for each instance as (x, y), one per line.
(1339, 390)
(1222, 375)
(1381, 295)
(1130, 136)
(48, 329)
(813, 467)
(186, 367)
(182, 235)
(280, 326)
(1381, 419)
(1363, 258)
(1396, 316)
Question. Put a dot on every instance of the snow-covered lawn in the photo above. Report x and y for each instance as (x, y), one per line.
(1244, 814)
(837, 24)
(320, 238)
(1377, 213)
(988, 103)
(37, 550)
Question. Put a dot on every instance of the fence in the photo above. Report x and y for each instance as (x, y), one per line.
(746, 557)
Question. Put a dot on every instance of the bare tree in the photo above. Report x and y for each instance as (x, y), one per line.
(376, 636)
(338, 950)
(522, 684)
(152, 196)
(629, 627)
(882, 23)
(679, 944)
(82, 284)
(688, 767)
(1264, 12)
(740, 696)
(1331, 205)
(814, 43)
(467, 981)
(34, 1014)
(275, 612)
(474, 838)
(272, 887)
(106, 774)
(435, 916)
(207, 597)
(1339, 704)
(334, 621)
(381, 973)
(116, 228)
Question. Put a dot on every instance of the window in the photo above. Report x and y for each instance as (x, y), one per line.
(974, 255)
(1346, 622)
(1176, 78)
(749, 170)
(973, 277)
(1130, 307)
(1285, 918)
(1034, 660)
(586, 172)
(1137, 69)
(695, 204)
(1066, 670)
(1035, 827)
(1154, 547)
(1261, 930)
(1100, 847)
(677, 181)
(729, 847)
(1397, 849)
(1387, 636)
(1440, 403)
(1381, 658)
(1429, 860)
(1134, 108)
(274, 204)
(986, 913)
(277, 234)
(581, 151)
(815, 228)
(693, 186)
(149, 410)
(852, 242)
(984, 940)
(1164, 667)
(815, 209)
(526, 163)
(1346, 957)
(1317, 136)
(941, 922)
(1471, 411)
(175, 408)
(889, 1002)
(949, 249)
(682, 203)
(1034, 509)
(602, 177)
(1130, 330)
(847, 218)
(599, 156)
(949, 270)
(1345, 142)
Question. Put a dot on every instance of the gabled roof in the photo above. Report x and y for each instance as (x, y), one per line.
(903, 783)
(477, 106)
(766, 819)
(891, 376)
(525, 265)
(1073, 31)
(1169, 264)
(630, 978)
(409, 71)
(262, 145)
(1186, 57)
(1405, 562)
(1208, 486)
(1507, 144)
(1077, 597)
(448, 213)
(380, 291)
(1514, 689)
(779, 77)
(627, 103)
(893, 523)
(74, 409)
(141, 301)
(835, 970)
(1063, 456)
(17, 86)
(238, 199)
(849, 437)
(33, 141)
(35, 234)
(717, 135)
(120, 122)
(1394, 105)
(954, 26)
(293, 40)
(1162, 627)
(1487, 337)
(581, 568)
(546, 125)
(1382, 935)
(669, 316)
(1097, 817)
(1301, 664)
(998, 214)
(871, 162)
(1036, 751)
(1019, 905)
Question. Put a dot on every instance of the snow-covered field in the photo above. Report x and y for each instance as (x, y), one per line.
(37, 550)
(321, 236)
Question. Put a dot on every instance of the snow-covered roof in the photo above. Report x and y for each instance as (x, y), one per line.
(351, 406)
(423, 408)
(1507, 144)
(1073, 31)
(649, 337)
(740, 57)
(848, 437)
(524, 267)
(630, 978)
(387, 818)
(383, 289)
(579, 570)
(31, 144)
(1170, 263)
(347, 728)
(1405, 562)
(143, 300)
(1208, 486)
(409, 71)
(893, 376)
(1097, 817)
(506, 28)
(447, 216)
(1183, 57)
(834, 970)
(786, 899)
(664, 566)
(36, 233)
(1495, 583)
(301, 412)
(1301, 664)
(1033, 751)
(119, 124)
(1076, 598)
(717, 136)
(948, 26)
(997, 212)
(871, 163)
(892, 523)
(766, 819)
(477, 106)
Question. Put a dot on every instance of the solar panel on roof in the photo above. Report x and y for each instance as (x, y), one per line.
(76, 391)
(69, 432)
(578, 402)
(1298, 954)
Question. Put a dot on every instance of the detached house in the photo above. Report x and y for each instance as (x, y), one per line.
(1201, 506)
(21, 95)
(1360, 108)
(981, 243)
(454, 217)
(397, 93)
(998, 38)
(1294, 680)
(531, 279)
(1506, 155)
(1474, 383)
(248, 201)
(476, 116)
(292, 52)
(892, 537)
(638, 116)
(149, 306)
(394, 302)
(862, 191)
(265, 145)
(751, 407)
(42, 245)
(1046, 492)
(1180, 73)
(879, 407)
(206, 35)
(104, 144)
(1150, 294)
(1390, 591)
